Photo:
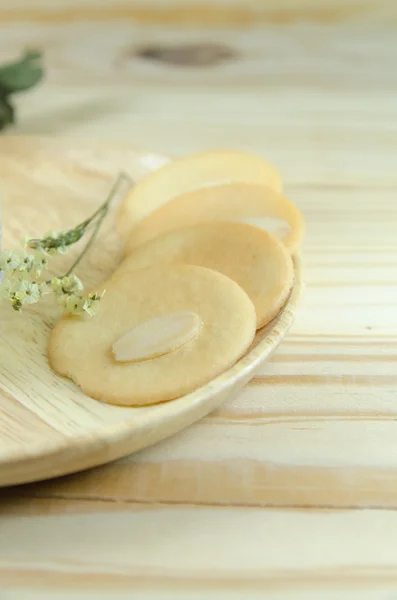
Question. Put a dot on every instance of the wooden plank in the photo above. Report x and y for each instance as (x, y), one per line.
(198, 12)
(330, 462)
(381, 591)
(50, 545)
(329, 147)
(302, 57)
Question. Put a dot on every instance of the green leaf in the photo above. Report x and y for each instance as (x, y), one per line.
(6, 112)
(21, 75)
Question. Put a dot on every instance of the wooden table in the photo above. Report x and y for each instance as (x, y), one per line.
(293, 486)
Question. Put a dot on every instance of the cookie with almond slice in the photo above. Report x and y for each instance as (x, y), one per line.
(160, 332)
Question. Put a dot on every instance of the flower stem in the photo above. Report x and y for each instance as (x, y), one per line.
(123, 177)
(101, 213)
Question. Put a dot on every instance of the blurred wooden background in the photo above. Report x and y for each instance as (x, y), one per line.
(177, 76)
(292, 485)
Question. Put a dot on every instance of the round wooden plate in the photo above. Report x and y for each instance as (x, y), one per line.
(48, 427)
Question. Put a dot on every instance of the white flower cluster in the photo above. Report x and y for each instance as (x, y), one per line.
(19, 284)
(66, 288)
(23, 262)
(19, 272)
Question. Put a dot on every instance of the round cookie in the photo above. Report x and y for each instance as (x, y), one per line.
(252, 257)
(81, 348)
(189, 173)
(230, 202)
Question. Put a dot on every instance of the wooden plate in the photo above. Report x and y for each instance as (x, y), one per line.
(48, 427)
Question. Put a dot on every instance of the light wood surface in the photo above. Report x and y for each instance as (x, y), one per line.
(290, 488)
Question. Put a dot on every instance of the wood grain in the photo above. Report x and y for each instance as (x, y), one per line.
(197, 12)
(262, 550)
(311, 86)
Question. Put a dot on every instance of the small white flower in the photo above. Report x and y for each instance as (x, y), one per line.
(9, 261)
(91, 303)
(71, 304)
(66, 285)
(40, 263)
(56, 285)
(26, 262)
(28, 293)
(73, 283)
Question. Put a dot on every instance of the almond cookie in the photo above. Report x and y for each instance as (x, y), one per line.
(160, 333)
(252, 257)
(242, 202)
(189, 173)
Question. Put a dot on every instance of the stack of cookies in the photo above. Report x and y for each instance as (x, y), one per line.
(208, 245)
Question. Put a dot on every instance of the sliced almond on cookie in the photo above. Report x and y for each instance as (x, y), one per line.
(156, 337)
